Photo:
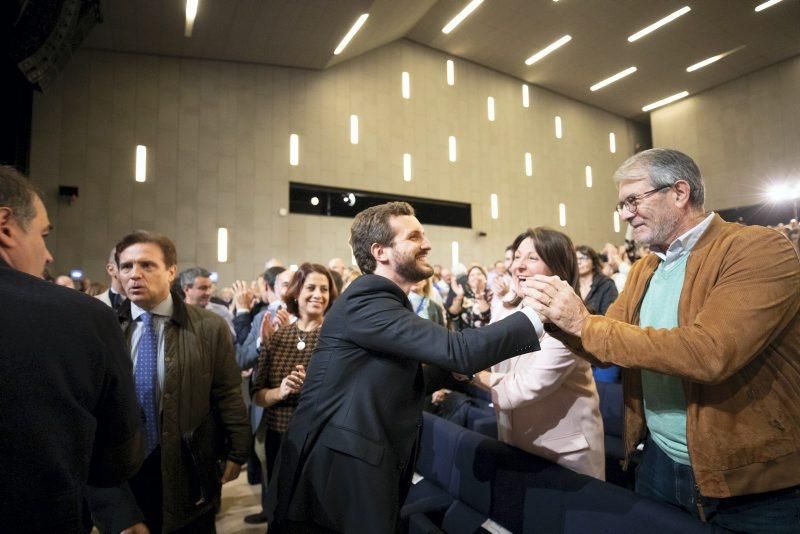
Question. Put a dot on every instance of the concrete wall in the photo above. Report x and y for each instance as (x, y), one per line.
(744, 135)
(218, 154)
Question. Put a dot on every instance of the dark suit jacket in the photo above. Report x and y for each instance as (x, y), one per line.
(68, 411)
(347, 456)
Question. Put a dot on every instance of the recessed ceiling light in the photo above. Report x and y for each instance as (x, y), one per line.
(656, 25)
(713, 59)
(451, 72)
(614, 78)
(191, 14)
(765, 5)
(141, 163)
(549, 48)
(665, 101)
(464, 13)
(350, 34)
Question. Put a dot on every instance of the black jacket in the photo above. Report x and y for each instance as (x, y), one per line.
(68, 411)
(602, 294)
(347, 457)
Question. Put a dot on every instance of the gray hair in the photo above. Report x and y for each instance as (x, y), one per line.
(663, 167)
(17, 194)
(188, 276)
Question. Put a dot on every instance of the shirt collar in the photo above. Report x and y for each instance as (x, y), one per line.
(684, 243)
(163, 309)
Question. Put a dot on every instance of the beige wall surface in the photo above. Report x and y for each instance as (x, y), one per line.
(218, 154)
(744, 135)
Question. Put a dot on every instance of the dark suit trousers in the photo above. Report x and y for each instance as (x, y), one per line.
(148, 490)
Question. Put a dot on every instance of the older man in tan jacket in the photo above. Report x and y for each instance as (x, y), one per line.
(708, 334)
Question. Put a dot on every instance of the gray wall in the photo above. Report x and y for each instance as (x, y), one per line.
(218, 154)
(744, 134)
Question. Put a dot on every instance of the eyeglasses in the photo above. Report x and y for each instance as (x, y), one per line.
(583, 258)
(631, 203)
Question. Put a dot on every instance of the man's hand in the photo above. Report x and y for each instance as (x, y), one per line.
(138, 528)
(267, 329)
(243, 297)
(555, 301)
(232, 470)
(438, 396)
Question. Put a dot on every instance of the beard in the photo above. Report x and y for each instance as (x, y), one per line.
(409, 268)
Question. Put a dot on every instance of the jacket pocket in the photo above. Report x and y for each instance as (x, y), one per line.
(348, 442)
(564, 444)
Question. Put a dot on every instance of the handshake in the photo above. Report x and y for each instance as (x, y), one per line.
(554, 301)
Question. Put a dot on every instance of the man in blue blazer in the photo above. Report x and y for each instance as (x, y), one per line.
(348, 455)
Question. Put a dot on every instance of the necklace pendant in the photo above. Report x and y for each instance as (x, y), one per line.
(301, 345)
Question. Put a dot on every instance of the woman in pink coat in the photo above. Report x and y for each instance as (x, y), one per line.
(546, 401)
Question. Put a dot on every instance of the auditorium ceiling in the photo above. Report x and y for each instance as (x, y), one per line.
(499, 34)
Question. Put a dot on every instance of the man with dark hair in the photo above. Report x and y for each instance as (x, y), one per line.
(197, 288)
(348, 455)
(707, 333)
(189, 390)
(68, 413)
(114, 296)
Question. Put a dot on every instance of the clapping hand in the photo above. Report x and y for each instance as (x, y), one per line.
(243, 296)
(292, 382)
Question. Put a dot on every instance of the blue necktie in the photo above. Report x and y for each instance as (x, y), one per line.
(146, 377)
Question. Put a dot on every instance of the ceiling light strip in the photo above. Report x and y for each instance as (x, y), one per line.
(464, 13)
(712, 59)
(765, 5)
(656, 25)
(666, 101)
(191, 14)
(350, 34)
(548, 49)
(614, 78)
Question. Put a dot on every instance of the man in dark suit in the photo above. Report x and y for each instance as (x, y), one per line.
(348, 455)
(68, 411)
(115, 294)
(189, 389)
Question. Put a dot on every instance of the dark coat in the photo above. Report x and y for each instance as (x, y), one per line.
(201, 375)
(68, 411)
(602, 294)
(347, 457)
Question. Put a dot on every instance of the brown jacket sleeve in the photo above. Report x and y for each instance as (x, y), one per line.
(226, 392)
(745, 304)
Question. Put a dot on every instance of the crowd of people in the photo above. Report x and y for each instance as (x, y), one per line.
(698, 318)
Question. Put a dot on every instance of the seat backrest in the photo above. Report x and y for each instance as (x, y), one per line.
(611, 407)
(437, 449)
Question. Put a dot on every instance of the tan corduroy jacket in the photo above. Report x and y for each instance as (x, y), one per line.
(737, 349)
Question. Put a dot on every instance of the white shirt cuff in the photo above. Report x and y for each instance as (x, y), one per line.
(535, 321)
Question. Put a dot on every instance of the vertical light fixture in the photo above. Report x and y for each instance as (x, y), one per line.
(559, 132)
(222, 245)
(354, 129)
(294, 150)
(494, 206)
(451, 72)
(526, 97)
(406, 85)
(191, 14)
(454, 254)
(141, 163)
(616, 221)
(562, 214)
(528, 164)
(490, 108)
(588, 176)
(407, 167)
(612, 143)
(451, 148)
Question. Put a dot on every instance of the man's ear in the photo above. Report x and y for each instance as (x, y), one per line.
(682, 192)
(380, 253)
(8, 226)
(171, 272)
